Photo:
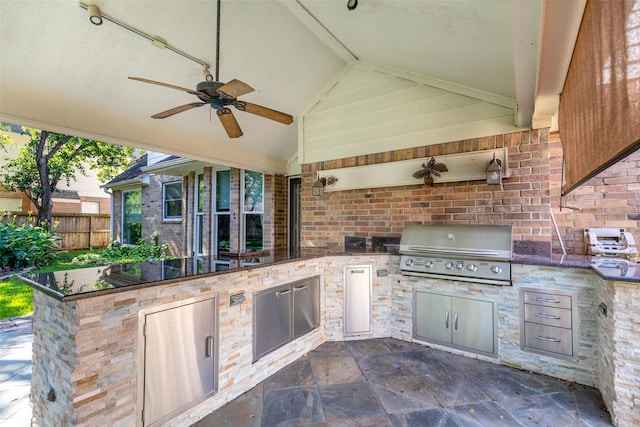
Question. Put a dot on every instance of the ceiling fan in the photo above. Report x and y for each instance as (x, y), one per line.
(219, 96)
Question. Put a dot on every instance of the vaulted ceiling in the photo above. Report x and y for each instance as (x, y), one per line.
(60, 72)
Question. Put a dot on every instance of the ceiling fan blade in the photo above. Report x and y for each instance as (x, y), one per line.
(235, 88)
(265, 112)
(229, 123)
(177, 110)
(153, 82)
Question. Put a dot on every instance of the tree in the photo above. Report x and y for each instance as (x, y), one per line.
(50, 158)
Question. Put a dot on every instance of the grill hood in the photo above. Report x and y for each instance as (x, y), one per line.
(493, 242)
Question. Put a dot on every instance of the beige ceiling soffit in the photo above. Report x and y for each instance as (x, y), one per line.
(263, 163)
(307, 18)
(525, 18)
(559, 26)
(481, 95)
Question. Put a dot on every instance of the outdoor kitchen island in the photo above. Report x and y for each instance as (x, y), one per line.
(89, 351)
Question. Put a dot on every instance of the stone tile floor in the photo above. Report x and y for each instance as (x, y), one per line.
(16, 338)
(387, 382)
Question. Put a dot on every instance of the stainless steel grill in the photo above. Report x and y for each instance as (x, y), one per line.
(471, 253)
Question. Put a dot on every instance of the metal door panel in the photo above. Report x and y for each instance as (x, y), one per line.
(432, 317)
(179, 360)
(306, 306)
(357, 300)
(272, 320)
(472, 324)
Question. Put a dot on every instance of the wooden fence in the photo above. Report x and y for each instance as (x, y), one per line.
(78, 231)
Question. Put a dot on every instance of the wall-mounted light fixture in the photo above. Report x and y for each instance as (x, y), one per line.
(494, 171)
(318, 186)
(94, 14)
(97, 17)
(352, 4)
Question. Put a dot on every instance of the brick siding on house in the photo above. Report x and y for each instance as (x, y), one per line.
(524, 201)
(169, 232)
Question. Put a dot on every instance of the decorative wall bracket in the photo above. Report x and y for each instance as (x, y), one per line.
(430, 169)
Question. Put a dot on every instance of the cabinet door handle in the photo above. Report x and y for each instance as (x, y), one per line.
(554, 301)
(547, 316)
(299, 288)
(541, 338)
(455, 321)
(446, 319)
(208, 347)
(279, 293)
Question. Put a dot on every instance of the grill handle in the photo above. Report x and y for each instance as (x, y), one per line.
(430, 250)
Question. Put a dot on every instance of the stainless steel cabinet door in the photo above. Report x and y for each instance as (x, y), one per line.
(357, 299)
(472, 324)
(272, 320)
(433, 317)
(179, 358)
(306, 306)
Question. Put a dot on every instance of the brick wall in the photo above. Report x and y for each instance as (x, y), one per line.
(521, 202)
(610, 199)
(525, 200)
(169, 232)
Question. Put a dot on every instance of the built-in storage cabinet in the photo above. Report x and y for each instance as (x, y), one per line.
(357, 299)
(548, 322)
(284, 313)
(461, 322)
(180, 358)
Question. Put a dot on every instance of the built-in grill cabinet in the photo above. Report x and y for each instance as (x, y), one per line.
(284, 313)
(180, 358)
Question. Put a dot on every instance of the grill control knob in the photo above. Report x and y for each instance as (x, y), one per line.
(472, 267)
(428, 264)
(409, 262)
(448, 265)
(496, 269)
(460, 266)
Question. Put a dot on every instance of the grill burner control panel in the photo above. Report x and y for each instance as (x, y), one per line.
(472, 270)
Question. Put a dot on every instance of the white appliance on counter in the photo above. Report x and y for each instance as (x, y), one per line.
(612, 242)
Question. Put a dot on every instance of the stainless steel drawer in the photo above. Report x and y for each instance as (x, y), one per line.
(548, 300)
(549, 338)
(560, 317)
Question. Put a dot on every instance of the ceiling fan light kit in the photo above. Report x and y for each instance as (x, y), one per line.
(219, 96)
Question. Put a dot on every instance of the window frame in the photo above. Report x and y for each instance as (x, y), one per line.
(124, 214)
(166, 217)
(245, 213)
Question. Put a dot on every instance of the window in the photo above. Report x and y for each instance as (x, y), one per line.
(11, 204)
(172, 200)
(252, 210)
(222, 203)
(131, 217)
(90, 207)
(199, 216)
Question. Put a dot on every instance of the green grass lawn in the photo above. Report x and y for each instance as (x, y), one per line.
(16, 298)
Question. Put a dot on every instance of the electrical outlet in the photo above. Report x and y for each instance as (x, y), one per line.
(603, 309)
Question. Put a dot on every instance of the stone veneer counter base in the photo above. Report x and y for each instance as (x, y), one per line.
(86, 352)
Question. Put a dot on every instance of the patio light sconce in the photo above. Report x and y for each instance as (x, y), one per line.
(94, 14)
(494, 171)
(318, 186)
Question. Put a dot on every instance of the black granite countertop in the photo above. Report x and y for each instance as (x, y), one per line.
(608, 268)
(71, 285)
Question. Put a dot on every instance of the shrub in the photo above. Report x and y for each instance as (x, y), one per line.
(25, 245)
(116, 253)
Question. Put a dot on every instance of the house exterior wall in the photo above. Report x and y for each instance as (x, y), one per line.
(170, 232)
(524, 201)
